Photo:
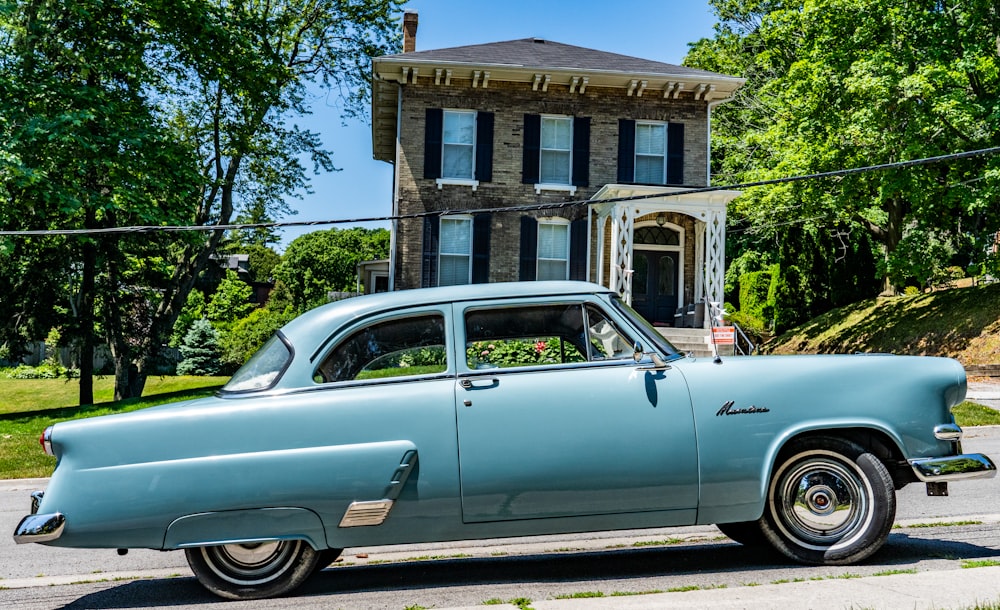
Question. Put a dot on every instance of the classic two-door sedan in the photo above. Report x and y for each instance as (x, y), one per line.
(501, 410)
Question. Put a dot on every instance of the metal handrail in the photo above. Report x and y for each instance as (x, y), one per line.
(751, 347)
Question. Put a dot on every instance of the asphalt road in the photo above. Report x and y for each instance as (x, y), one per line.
(936, 535)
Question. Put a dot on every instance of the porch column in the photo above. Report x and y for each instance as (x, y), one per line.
(699, 262)
(715, 259)
(602, 220)
(622, 227)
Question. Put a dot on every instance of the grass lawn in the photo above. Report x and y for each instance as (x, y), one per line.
(28, 406)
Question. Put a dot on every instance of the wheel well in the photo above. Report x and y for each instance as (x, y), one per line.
(875, 442)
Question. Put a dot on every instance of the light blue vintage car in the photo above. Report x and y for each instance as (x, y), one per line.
(501, 410)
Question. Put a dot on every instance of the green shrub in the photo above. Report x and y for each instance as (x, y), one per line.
(522, 352)
(248, 334)
(45, 370)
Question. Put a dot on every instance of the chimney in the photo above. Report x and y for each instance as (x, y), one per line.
(409, 31)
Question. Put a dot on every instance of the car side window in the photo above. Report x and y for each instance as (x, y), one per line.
(607, 342)
(525, 336)
(394, 348)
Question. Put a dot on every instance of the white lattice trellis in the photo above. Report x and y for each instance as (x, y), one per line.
(622, 226)
(715, 256)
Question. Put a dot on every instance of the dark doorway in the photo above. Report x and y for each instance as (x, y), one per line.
(654, 285)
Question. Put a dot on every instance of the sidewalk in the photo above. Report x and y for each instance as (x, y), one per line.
(984, 393)
(937, 590)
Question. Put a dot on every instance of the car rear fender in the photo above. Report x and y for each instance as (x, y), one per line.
(246, 526)
(870, 433)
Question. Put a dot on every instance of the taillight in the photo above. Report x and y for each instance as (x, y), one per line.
(46, 441)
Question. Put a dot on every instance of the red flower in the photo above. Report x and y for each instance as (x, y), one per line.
(540, 346)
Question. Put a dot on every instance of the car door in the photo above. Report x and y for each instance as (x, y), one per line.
(566, 433)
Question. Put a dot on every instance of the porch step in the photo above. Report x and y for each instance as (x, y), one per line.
(694, 340)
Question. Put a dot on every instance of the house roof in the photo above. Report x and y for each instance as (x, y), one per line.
(538, 62)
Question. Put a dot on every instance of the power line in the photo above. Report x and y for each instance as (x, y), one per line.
(506, 209)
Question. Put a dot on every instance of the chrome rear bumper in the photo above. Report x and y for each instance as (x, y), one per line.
(953, 468)
(39, 528)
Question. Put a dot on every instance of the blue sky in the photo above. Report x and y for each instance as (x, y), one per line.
(658, 30)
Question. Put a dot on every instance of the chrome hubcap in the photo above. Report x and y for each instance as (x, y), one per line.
(253, 563)
(821, 501)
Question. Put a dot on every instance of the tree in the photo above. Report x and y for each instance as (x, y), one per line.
(323, 261)
(86, 150)
(200, 350)
(834, 84)
(230, 301)
(151, 112)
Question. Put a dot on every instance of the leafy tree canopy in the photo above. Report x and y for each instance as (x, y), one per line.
(834, 84)
(149, 112)
(324, 261)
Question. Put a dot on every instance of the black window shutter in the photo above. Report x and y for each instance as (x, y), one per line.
(675, 153)
(626, 151)
(481, 248)
(433, 130)
(529, 248)
(532, 148)
(578, 250)
(432, 229)
(581, 151)
(484, 146)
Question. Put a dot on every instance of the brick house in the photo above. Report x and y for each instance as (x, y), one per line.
(474, 131)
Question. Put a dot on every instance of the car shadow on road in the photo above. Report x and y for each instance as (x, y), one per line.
(613, 564)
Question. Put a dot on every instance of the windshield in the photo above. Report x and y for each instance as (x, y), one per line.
(263, 368)
(657, 340)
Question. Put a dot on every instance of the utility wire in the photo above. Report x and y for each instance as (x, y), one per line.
(518, 208)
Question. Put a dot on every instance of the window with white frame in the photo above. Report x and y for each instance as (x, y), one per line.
(553, 249)
(455, 251)
(650, 153)
(458, 144)
(556, 150)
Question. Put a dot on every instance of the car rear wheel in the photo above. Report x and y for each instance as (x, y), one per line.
(253, 570)
(747, 533)
(829, 502)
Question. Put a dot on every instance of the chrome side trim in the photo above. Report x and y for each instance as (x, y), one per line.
(954, 468)
(948, 432)
(366, 513)
(39, 528)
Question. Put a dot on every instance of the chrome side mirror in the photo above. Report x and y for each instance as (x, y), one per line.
(638, 355)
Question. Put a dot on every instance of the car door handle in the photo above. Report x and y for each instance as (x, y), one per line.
(478, 384)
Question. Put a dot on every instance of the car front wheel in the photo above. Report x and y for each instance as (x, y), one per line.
(829, 502)
(255, 570)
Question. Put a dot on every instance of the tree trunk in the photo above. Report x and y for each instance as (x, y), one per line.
(86, 315)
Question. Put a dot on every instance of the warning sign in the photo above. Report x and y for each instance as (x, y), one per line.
(723, 335)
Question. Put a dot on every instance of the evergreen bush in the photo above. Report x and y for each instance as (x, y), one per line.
(200, 350)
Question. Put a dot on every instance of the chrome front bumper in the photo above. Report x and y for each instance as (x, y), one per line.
(39, 528)
(953, 468)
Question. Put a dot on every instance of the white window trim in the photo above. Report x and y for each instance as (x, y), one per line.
(467, 217)
(635, 149)
(563, 188)
(441, 182)
(555, 186)
(553, 221)
(471, 182)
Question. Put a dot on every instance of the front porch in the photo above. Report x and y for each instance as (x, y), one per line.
(665, 254)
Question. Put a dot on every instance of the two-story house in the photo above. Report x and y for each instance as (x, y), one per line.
(482, 135)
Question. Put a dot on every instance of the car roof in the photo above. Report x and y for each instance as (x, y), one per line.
(329, 315)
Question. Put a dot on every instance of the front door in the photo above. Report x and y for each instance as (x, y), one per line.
(654, 285)
(550, 432)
